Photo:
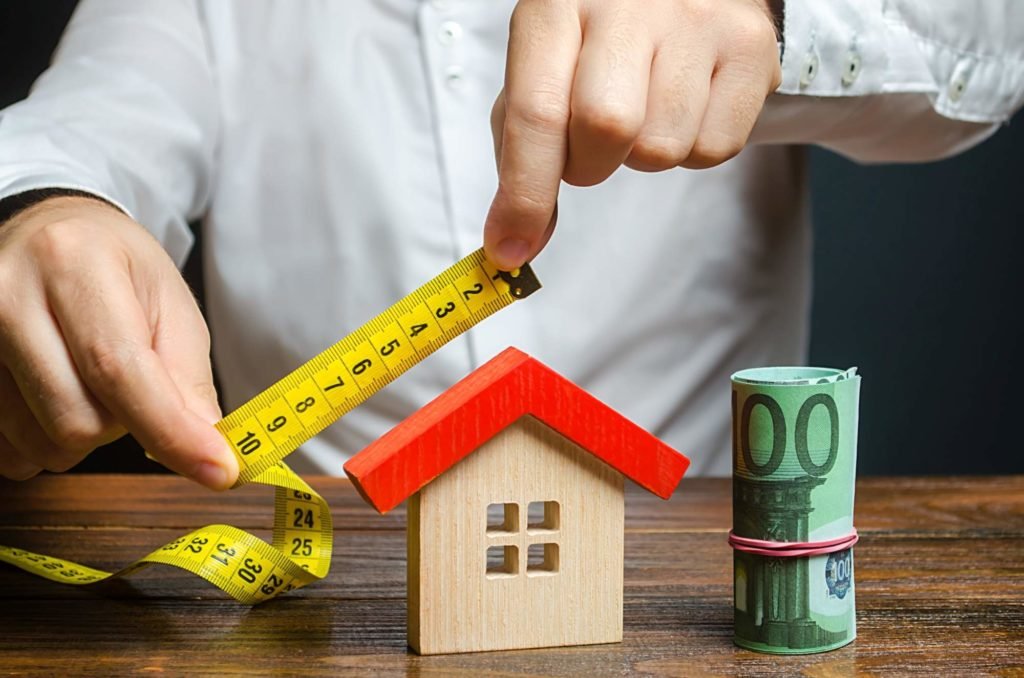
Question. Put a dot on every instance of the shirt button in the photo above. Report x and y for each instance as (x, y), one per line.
(454, 77)
(809, 69)
(449, 33)
(852, 69)
(957, 87)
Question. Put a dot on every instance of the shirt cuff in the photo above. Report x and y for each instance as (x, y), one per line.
(848, 48)
(176, 241)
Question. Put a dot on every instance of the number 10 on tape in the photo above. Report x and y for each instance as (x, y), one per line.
(273, 424)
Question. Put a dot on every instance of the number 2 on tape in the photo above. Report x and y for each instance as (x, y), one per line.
(272, 425)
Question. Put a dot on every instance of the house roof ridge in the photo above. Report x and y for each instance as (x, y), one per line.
(489, 399)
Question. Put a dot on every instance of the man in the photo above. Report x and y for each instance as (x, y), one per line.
(337, 155)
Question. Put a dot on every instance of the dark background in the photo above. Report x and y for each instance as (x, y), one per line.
(916, 282)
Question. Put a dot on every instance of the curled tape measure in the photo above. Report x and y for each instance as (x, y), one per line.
(272, 425)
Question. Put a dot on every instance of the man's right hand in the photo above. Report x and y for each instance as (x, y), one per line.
(99, 335)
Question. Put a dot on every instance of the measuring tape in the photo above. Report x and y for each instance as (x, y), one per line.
(276, 422)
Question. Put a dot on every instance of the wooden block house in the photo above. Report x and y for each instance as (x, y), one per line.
(515, 484)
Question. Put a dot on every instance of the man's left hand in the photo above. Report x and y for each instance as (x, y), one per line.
(594, 84)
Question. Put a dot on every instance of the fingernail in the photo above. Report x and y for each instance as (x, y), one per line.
(512, 253)
(213, 476)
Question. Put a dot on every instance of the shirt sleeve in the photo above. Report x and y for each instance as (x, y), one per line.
(896, 80)
(127, 112)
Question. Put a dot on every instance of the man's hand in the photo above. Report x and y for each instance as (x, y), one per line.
(99, 334)
(594, 84)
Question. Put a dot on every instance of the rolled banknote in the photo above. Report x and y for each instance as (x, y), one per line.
(794, 467)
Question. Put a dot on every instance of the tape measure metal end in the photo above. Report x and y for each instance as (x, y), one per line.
(522, 282)
(275, 422)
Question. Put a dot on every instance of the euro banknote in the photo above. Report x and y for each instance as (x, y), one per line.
(794, 468)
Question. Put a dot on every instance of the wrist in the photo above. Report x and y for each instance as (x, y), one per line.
(16, 206)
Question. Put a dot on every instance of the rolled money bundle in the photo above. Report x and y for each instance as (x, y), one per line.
(794, 467)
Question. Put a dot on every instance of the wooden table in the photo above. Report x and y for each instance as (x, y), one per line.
(939, 572)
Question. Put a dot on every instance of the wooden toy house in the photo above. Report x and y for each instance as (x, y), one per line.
(515, 484)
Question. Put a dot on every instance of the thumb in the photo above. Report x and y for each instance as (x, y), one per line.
(182, 342)
(112, 340)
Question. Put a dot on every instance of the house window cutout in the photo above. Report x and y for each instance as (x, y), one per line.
(502, 561)
(502, 518)
(543, 515)
(543, 522)
(542, 559)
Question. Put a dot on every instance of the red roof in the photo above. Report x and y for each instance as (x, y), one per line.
(489, 399)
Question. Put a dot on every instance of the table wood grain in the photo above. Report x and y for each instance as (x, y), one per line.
(939, 573)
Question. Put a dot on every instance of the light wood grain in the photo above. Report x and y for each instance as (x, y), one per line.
(940, 588)
(574, 597)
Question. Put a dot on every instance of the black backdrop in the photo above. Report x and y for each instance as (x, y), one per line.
(916, 282)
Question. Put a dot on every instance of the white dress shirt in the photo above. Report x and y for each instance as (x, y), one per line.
(339, 155)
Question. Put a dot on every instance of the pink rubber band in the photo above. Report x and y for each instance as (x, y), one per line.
(792, 549)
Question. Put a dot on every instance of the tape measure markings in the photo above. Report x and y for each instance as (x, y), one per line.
(278, 420)
(438, 293)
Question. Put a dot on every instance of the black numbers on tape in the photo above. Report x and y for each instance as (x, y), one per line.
(302, 547)
(249, 444)
(268, 419)
(249, 570)
(273, 583)
(197, 544)
(225, 553)
(778, 451)
(303, 518)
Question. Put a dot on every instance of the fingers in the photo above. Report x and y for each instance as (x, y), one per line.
(47, 417)
(609, 96)
(12, 466)
(25, 438)
(544, 43)
(44, 385)
(14, 463)
(739, 87)
(680, 84)
(182, 341)
(102, 335)
(733, 108)
(652, 85)
(110, 340)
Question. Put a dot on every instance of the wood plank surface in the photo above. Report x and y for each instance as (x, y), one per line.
(940, 588)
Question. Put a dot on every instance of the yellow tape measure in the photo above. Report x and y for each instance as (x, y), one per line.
(277, 421)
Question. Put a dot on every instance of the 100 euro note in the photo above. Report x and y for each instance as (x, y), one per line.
(794, 468)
